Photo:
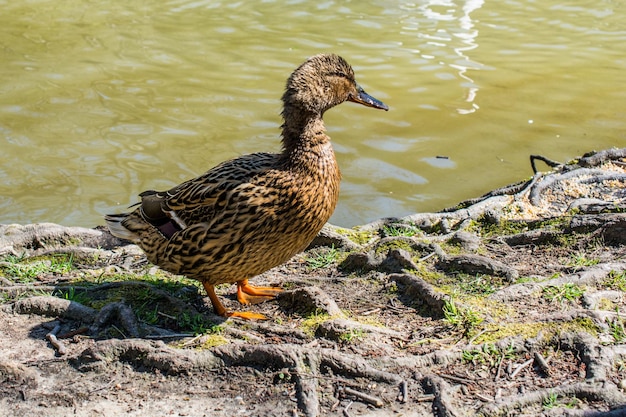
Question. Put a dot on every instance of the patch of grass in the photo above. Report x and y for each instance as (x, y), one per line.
(616, 280)
(550, 401)
(352, 336)
(578, 324)
(566, 292)
(616, 328)
(489, 353)
(24, 270)
(486, 227)
(148, 315)
(464, 319)
(477, 284)
(323, 258)
(579, 260)
(72, 295)
(499, 331)
(197, 324)
(399, 229)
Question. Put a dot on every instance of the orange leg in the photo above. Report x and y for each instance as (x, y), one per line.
(221, 311)
(248, 294)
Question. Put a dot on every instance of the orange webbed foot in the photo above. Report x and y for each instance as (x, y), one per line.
(247, 315)
(248, 294)
(221, 310)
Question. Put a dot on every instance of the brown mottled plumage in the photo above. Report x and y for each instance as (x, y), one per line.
(254, 212)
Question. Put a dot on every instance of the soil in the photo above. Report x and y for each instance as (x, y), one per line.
(509, 304)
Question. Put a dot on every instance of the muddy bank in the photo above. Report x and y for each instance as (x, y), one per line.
(510, 304)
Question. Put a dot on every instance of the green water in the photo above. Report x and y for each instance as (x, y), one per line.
(102, 100)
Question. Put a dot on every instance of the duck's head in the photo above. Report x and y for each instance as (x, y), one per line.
(324, 81)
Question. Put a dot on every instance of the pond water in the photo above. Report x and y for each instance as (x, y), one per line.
(102, 100)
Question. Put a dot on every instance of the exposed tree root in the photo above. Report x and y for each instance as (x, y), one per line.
(477, 264)
(593, 275)
(421, 293)
(442, 403)
(55, 307)
(145, 355)
(309, 300)
(595, 159)
(584, 391)
(119, 312)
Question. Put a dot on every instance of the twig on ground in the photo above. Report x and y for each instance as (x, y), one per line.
(369, 399)
(404, 392)
(367, 313)
(484, 398)
(170, 336)
(51, 336)
(522, 366)
(72, 333)
(463, 381)
(542, 363)
(160, 313)
(425, 398)
(499, 367)
(345, 410)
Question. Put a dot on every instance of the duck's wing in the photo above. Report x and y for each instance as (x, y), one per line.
(202, 199)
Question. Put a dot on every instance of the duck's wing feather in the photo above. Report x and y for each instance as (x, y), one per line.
(201, 199)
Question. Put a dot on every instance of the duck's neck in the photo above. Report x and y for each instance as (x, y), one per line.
(304, 138)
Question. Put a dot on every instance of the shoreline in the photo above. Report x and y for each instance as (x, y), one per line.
(508, 304)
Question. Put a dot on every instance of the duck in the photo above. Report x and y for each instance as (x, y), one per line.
(256, 211)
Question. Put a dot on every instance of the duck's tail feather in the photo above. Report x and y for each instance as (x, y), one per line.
(117, 229)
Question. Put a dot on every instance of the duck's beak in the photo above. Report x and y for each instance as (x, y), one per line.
(365, 99)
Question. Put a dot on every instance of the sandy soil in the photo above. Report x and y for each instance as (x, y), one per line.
(510, 304)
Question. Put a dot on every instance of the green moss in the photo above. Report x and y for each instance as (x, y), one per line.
(310, 324)
(452, 248)
(497, 331)
(394, 244)
(431, 276)
(487, 228)
(360, 237)
(579, 324)
(606, 305)
(212, 341)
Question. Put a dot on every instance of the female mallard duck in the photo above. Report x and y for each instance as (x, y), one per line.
(254, 212)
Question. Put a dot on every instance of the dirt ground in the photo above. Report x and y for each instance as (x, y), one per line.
(510, 304)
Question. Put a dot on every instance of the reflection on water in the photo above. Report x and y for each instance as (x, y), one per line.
(452, 25)
(100, 101)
